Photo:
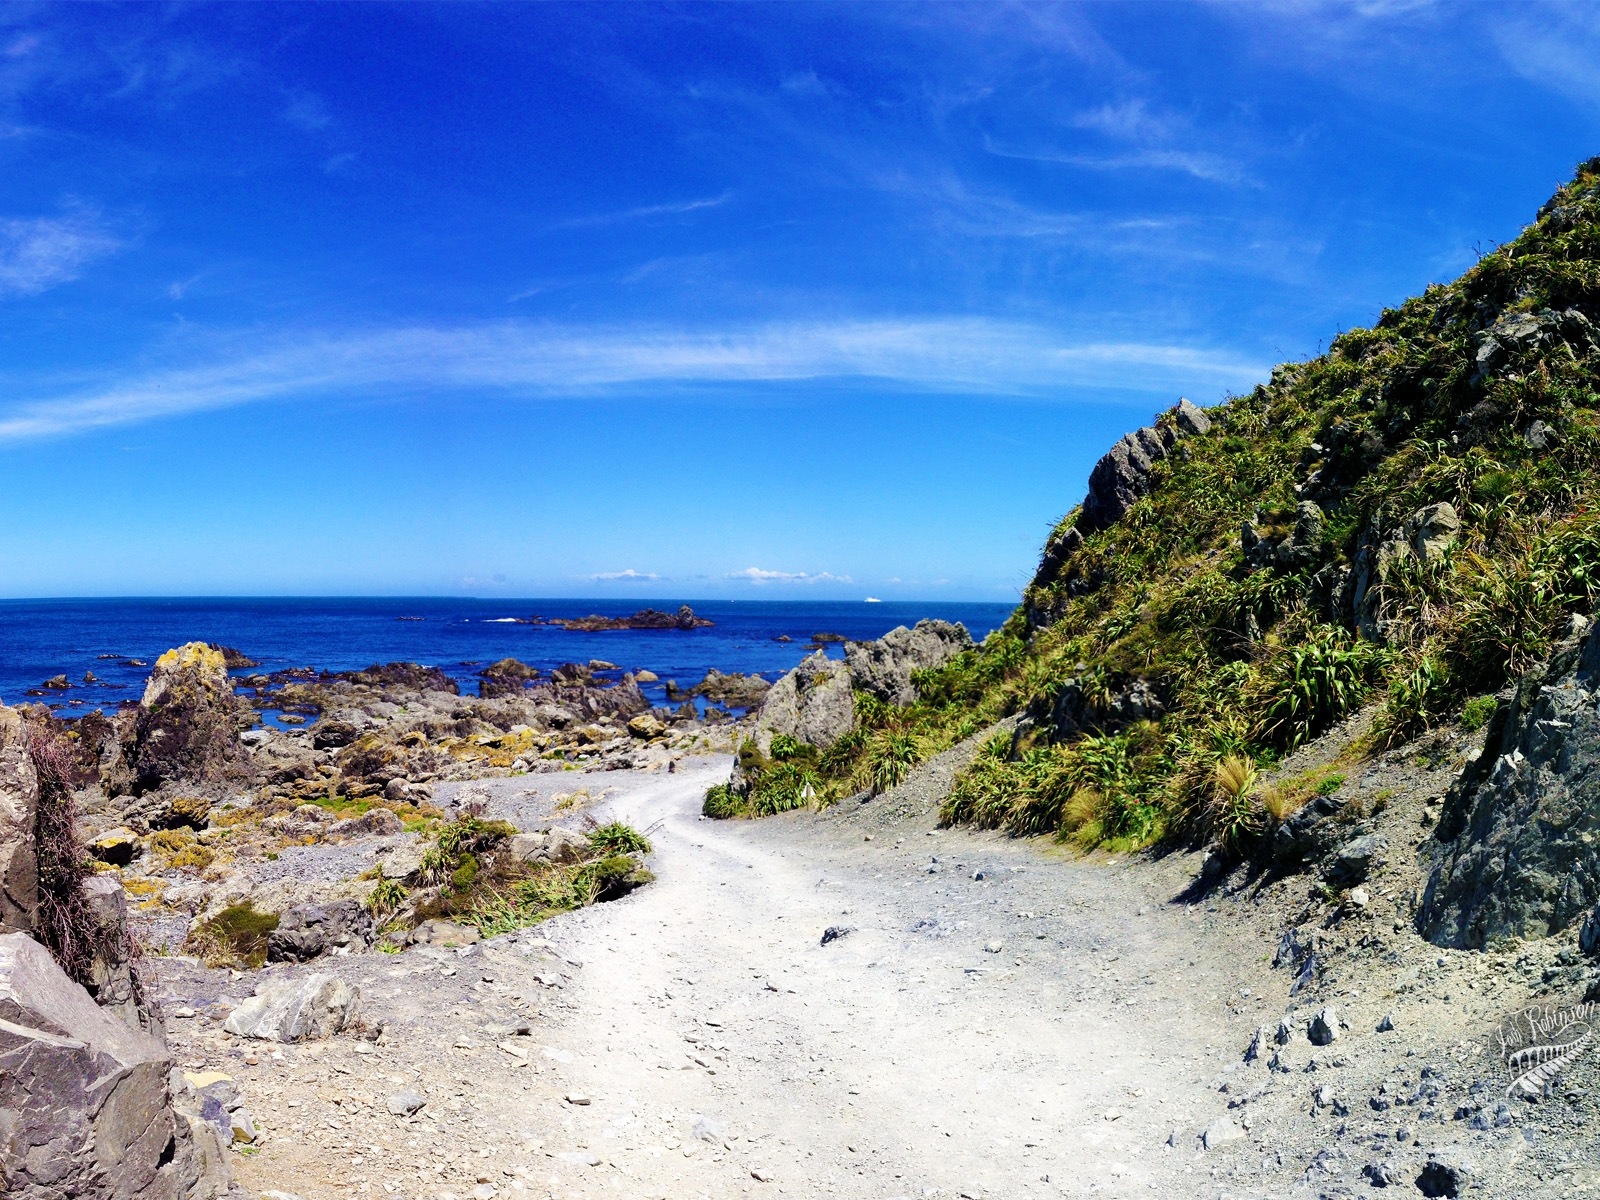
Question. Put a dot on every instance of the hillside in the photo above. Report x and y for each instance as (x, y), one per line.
(1405, 523)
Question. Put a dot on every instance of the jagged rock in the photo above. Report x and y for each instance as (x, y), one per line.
(19, 819)
(735, 690)
(85, 1101)
(186, 727)
(814, 703)
(1516, 852)
(112, 983)
(1313, 831)
(1355, 860)
(292, 1010)
(1300, 547)
(1074, 710)
(505, 678)
(308, 931)
(884, 667)
(1123, 475)
(1426, 534)
(1324, 1028)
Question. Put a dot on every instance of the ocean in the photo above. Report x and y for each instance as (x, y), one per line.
(40, 639)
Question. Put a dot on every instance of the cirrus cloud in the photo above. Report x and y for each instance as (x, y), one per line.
(760, 577)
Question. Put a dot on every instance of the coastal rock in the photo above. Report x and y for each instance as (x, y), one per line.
(186, 727)
(311, 930)
(735, 690)
(814, 703)
(1122, 476)
(885, 667)
(645, 618)
(505, 678)
(85, 1101)
(294, 1010)
(19, 818)
(1516, 852)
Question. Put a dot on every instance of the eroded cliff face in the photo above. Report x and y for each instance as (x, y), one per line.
(1517, 849)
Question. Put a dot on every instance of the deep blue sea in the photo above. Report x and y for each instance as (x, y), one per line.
(43, 638)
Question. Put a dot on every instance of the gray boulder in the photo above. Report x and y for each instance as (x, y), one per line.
(814, 703)
(884, 667)
(1426, 534)
(1516, 852)
(1324, 1028)
(311, 930)
(294, 1010)
(445, 934)
(86, 1106)
(1356, 860)
(186, 727)
(375, 822)
(1122, 476)
(19, 818)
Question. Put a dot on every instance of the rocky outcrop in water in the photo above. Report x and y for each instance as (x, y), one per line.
(885, 667)
(1517, 848)
(645, 618)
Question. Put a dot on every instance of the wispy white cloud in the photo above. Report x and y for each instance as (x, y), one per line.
(645, 212)
(628, 576)
(761, 577)
(37, 253)
(1213, 168)
(1554, 47)
(956, 355)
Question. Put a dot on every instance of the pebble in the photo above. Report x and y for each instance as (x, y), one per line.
(1220, 1132)
(405, 1104)
(994, 947)
(578, 1098)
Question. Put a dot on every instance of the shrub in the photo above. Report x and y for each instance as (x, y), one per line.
(237, 936)
(617, 838)
(786, 747)
(722, 802)
(890, 757)
(1315, 683)
(386, 897)
(1234, 814)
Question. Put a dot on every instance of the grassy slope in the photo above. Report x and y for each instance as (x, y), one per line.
(1250, 662)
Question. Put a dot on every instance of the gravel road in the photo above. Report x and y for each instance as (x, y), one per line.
(996, 1020)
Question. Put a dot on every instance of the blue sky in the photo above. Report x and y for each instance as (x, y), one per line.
(781, 301)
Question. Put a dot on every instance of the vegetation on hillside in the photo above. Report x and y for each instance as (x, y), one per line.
(1481, 394)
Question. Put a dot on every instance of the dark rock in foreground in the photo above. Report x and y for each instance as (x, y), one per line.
(1517, 848)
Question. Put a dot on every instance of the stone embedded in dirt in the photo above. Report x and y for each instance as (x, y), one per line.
(1324, 1027)
(1442, 1176)
(445, 934)
(762, 1175)
(308, 931)
(578, 1098)
(406, 1104)
(564, 846)
(834, 932)
(1386, 1024)
(993, 947)
(293, 1010)
(706, 1129)
(1357, 899)
(88, 1100)
(117, 847)
(1285, 1032)
(1357, 859)
(1221, 1132)
(1323, 1097)
(379, 822)
(1258, 1044)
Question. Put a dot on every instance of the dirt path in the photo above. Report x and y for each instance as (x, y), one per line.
(1008, 1024)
